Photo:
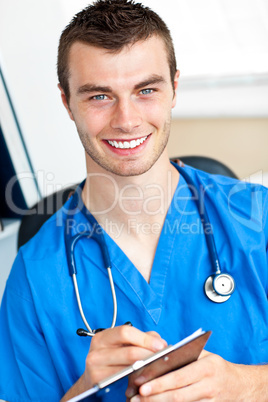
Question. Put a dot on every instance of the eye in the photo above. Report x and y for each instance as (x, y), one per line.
(147, 91)
(99, 97)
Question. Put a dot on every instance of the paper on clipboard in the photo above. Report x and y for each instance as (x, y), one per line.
(171, 358)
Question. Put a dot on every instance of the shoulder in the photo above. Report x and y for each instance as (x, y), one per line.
(226, 186)
(50, 237)
(231, 200)
(42, 256)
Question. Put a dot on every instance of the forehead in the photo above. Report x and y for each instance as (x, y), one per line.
(126, 67)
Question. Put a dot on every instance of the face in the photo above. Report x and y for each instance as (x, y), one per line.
(121, 104)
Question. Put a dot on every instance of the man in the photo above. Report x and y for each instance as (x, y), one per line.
(118, 82)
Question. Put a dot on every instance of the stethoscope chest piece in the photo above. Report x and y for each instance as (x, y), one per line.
(219, 287)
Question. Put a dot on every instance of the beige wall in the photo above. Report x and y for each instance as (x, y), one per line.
(240, 143)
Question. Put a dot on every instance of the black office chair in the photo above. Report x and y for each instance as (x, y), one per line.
(36, 216)
(39, 213)
(207, 164)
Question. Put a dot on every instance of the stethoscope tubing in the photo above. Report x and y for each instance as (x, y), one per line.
(70, 243)
(205, 220)
(90, 330)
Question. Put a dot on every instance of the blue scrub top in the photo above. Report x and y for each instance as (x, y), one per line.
(41, 355)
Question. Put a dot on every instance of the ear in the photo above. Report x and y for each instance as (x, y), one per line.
(65, 102)
(176, 83)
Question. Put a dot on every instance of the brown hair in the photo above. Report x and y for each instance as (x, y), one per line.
(112, 24)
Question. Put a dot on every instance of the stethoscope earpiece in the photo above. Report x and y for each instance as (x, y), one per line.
(219, 287)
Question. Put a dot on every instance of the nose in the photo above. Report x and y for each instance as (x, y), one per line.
(126, 116)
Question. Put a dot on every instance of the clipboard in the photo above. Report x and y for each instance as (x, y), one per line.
(171, 358)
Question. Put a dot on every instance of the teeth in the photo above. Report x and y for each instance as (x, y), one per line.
(127, 144)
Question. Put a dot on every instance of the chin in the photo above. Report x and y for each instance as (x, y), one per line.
(128, 171)
(125, 168)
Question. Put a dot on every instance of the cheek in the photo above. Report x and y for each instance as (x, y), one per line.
(91, 123)
(157, 114)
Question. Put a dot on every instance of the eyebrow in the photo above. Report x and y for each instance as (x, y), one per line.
(90, 88)
(152, 80)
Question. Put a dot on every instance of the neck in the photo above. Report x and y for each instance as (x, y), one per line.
(132, 210)
(145, 197)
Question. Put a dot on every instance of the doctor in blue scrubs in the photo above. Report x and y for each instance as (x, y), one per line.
(118, 83)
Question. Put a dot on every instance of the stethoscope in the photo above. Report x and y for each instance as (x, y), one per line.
(218, 287)
(96, 234)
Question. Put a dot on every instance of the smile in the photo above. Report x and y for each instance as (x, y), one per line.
(127, 144)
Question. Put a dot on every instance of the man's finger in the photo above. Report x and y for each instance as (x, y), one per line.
(195, 392)
(127, 335)
(123, 356)
(180, 378)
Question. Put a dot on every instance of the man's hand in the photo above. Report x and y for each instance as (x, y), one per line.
(112, 350)
(209, 378)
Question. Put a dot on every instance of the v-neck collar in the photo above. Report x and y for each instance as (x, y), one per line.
(129, 279)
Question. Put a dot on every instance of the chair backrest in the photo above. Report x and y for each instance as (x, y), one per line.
(41, 212)
(207, 164)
